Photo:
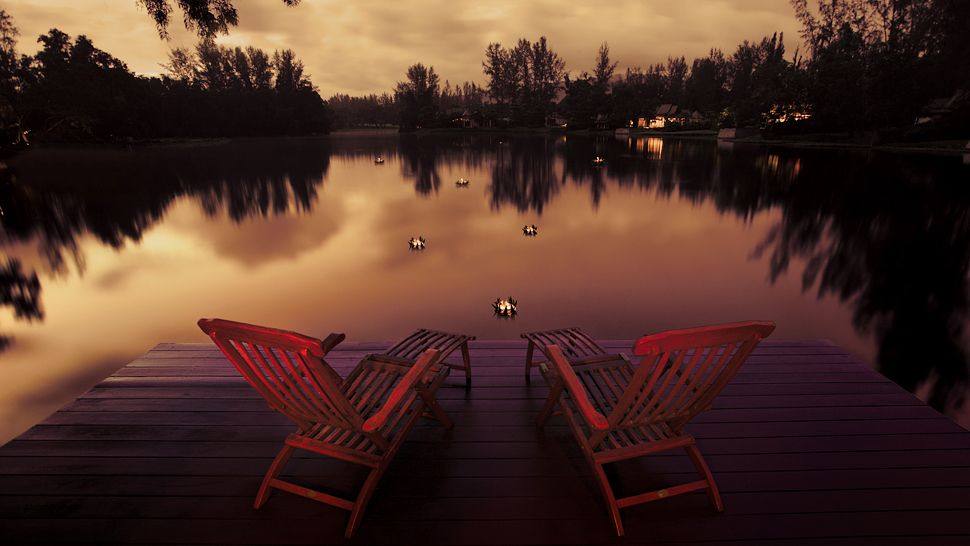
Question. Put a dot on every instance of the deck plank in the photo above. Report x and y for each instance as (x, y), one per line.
(809, 446)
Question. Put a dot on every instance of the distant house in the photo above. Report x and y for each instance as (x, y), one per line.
(665, 114)
(787, 113)
(470, 119)
(940, 108)
(601, 122)
(556, 121)
(669, 114)
(466, 118)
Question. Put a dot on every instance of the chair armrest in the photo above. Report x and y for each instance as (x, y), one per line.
(400, 392)
(388, 359)
(576, 390)
(597, 359)
(332, 340)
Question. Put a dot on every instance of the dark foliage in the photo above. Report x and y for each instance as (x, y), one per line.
(206, 17)
(21, 292)
(878, 63)
(417, 97)
(71, 91)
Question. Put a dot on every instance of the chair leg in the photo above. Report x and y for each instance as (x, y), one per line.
(608, 496)
(528, 362)
(701, 465)
(432, 405)
(362, 499)
(274, 470)
(555, 392)
(467, 360)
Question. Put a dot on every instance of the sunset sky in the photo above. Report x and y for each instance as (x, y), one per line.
(364, 46)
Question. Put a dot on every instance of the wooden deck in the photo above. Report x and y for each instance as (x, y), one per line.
(809, 446)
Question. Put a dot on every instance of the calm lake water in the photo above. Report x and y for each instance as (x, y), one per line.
(132, 246)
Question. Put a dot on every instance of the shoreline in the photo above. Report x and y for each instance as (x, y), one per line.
(938, 148)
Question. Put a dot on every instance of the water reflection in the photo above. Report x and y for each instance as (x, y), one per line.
(21, 292)
(889, 236)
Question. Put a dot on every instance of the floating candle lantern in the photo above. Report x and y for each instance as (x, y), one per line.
(530, 231)
(505, 308)
(461, 183)
(417, 243)
(598, 161)
(378, 160)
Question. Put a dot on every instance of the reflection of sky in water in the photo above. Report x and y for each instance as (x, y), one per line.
(619, 253)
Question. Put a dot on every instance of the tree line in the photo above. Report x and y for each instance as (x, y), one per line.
(866, 65)
(71, 91)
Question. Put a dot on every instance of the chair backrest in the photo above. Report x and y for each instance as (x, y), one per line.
(288, 370)
(683, 370)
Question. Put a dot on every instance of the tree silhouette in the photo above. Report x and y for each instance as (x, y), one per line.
(603, 71)
(417, 97)
(206, 17)
(524, 79)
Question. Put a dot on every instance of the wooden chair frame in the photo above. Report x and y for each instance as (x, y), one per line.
(618, 410)
(419, 341)
(361, 419)
(576, 345)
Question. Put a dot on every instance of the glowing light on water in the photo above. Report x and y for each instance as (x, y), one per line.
(417, 243)
(505, 308)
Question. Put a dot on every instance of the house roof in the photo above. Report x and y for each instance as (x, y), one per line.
(945, 105)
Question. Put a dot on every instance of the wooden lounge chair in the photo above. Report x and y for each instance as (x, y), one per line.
(418, 341)
(576, 346)
(618, 410)
(361, 419)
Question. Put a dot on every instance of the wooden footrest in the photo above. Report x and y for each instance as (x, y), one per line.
(575, 343)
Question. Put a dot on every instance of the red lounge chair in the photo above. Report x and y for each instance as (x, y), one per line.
(361, 419)
(618, 410)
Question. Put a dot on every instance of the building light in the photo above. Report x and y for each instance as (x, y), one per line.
(378, 160)
(462, 182)
(530, 231)
(597, 161)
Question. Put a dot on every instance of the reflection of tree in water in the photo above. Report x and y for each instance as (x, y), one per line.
(419, 161)
(523, 174)
(577, 159)
(422, 157)
(21, 292)
(116, 196)
(890, 236)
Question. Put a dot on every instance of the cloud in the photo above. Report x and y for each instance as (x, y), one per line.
(365, 46)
